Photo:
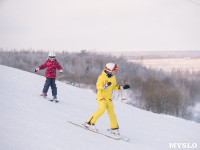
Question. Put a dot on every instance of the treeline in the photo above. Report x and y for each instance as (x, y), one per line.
(164, 93)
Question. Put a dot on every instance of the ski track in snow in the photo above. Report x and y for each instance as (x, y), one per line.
(29, 122)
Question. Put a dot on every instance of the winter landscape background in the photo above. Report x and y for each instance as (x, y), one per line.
(154, 42)
(30, 122)
(175, 92)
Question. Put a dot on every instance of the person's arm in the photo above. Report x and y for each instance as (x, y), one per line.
(99, 84)
(59, 67)
(116, 86)
(41, 67)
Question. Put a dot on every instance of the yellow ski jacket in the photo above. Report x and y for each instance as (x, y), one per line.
(106, 93)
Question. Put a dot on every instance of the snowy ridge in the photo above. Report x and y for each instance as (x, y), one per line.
(28, 122)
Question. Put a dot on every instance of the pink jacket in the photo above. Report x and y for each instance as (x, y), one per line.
(51, 68)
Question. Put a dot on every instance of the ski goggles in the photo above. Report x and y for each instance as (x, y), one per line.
(114, 68)
(52, 57)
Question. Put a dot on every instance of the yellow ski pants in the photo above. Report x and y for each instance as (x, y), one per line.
(103, 105)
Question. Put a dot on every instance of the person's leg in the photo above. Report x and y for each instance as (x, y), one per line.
(53, 87)
(46, 85)
(102, 107)
(111, 114)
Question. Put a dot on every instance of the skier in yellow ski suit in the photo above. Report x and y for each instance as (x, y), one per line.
(105, 84)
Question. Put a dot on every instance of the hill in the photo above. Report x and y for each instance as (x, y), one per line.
(28, 122)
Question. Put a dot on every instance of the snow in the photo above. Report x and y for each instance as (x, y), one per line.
(29, 122)
(196, 112)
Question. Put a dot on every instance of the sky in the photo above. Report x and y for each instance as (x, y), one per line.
(100, 25)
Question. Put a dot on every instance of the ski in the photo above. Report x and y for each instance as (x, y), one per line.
(121, 137)
(49, 99)
(107, 134)
(56, 101)
(52, 100)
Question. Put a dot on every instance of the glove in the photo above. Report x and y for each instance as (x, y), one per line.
(120, 87)
(107, 85)
(126, 86)
(37, 69)
(60, 71)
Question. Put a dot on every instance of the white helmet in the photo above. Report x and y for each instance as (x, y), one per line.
(52, 54)
(111, 66)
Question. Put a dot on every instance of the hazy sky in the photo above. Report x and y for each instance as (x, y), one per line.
(101, 25)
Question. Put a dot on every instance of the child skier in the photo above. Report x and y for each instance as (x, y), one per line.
(51, 64)
(105, 84)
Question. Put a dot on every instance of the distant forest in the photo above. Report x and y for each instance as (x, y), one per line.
(160, 55)
(172, 93)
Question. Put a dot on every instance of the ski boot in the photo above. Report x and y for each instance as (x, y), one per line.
(44, 95)
(90, 127)
(114, 131)
(55, 99)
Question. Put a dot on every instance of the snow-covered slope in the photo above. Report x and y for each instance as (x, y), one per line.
(28, 122)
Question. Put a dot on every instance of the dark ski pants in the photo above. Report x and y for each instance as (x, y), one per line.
(50, 82)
